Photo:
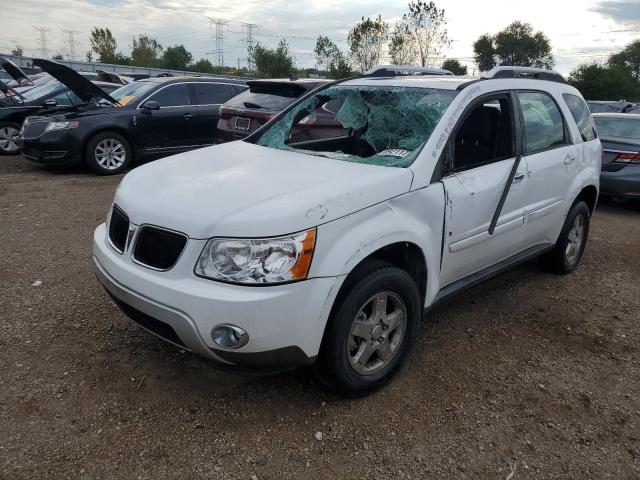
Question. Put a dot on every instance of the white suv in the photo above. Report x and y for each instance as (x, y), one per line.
(324, 236)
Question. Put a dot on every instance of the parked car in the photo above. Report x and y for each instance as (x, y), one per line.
(264, 99)
(15, 76)
(620, 137)
(269, 252)
(50, 97)
(621, 106)
(400, 70)
(143, 120)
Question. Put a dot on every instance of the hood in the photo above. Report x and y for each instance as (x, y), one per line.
(78, 84)
(111, 77)
(16, 73)
(246, 190)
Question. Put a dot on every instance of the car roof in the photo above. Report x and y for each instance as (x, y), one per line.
(292, 80)
(193, 78)
(446, 82)
(617, 115)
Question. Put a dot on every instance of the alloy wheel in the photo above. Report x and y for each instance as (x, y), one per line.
(575, 239)
(8, 139)
(110, 153)
(377, 333)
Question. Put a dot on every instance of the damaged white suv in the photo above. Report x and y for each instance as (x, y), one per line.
(323, 237)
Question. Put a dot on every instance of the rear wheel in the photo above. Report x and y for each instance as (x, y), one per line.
(567, 253)
(370, 332)
(108, 153)
(8, 133)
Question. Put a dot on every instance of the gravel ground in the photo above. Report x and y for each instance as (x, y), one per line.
(527, 376)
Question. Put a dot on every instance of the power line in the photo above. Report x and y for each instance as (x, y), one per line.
(71, 42)
(42, 40)
(218, 38)
(249, 29)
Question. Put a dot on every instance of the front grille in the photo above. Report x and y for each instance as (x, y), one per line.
(34, 127)
(158, 248)
(155, 326)
(118, 228)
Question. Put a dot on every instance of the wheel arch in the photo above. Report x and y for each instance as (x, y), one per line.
(589, 195)
(112, 128)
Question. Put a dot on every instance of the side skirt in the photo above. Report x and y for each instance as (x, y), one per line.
(489, 272)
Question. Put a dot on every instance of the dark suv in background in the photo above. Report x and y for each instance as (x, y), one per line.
(248, 111)
(146, 119)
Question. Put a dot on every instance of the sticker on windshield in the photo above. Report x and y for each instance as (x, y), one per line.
(124, 100)
(394, 152)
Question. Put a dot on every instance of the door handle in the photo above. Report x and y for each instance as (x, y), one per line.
(187, 116)
(569, 159)
(518, 177)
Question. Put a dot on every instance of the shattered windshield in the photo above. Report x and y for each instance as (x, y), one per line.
(377, 125)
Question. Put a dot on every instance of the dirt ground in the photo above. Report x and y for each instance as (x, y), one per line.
(528, 376)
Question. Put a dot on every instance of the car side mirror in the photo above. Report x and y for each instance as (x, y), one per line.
(50, 103)
(151, 105)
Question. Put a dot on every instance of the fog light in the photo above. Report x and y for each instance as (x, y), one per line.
(229, 336)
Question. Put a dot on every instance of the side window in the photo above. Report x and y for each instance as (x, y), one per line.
(173, 96)
(581, 115)
(543, 122)
(212, 93)
(485, 135)
(66, 98)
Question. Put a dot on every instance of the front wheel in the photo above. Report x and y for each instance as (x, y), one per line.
(567, 253)
(370, 332)
(8, 134)
(108, 153)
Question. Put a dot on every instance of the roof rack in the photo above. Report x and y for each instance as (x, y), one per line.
(525, 72)
(403, 70)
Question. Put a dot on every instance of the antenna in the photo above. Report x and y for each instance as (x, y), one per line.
(72, 42)
(42, 40)
(249, 29)
(218, 39)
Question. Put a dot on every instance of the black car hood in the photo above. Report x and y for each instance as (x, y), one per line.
(78, 84)
(16, 73)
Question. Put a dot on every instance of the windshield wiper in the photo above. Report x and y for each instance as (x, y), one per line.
(253, 105)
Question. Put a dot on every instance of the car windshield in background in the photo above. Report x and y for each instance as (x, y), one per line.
(128, 93)
(618, 127)
(376, 125)
(41, 91)
(267, 97)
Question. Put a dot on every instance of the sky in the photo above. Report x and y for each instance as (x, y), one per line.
(580, 30)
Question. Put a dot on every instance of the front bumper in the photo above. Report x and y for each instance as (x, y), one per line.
(625, 183)
(51, 148)
(285, 323)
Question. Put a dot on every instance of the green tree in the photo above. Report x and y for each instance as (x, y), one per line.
(103, 44)
(326, 52)
(18, 50)
(272, 63)
(628, 58)
(202, 66)
(57, 56)
(517, 45)
(427, 25)
(176, 58)
(89, 56)
(145, 51)
(402, 47)
(605, 82)
(366, 41)
(454, 66)
(340, 67)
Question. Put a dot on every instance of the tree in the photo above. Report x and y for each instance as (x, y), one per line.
(517, 45)
(57, 56)
(103, 44)
(327, 53)
(366, 40)
(89, 56)
(176, 58)
(271, 63)
(202, 66)
(18, 50)
(628, 58)
(340, 67)
(454, 66)
(427, 24)
(605, 82)
(402, 47)
(145, 51)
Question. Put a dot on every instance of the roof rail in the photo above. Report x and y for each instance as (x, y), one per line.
(402, 70)
(525, 72)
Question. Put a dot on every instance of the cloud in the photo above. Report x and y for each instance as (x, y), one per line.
(621, 11)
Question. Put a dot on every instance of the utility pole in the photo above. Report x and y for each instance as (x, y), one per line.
(42, 40)
(218, 39)
(72, 42)
(249, 29)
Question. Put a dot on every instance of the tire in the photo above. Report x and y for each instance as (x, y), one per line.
(7, 131)
(108, 153)
(567, 253)
(342, 363)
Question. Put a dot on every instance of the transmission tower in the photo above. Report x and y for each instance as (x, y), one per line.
(249, 29)
(218, 39)
(42, 40)
(71, 42)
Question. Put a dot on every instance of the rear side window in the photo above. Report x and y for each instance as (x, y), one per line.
(581, 115)
(173, 96)
(213, 93)
(543, 122)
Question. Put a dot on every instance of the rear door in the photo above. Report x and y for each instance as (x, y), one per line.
(168, 129)
(552, 162)
(209, 97)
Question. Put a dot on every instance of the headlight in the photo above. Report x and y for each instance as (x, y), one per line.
(265, 260)
(60, 126)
